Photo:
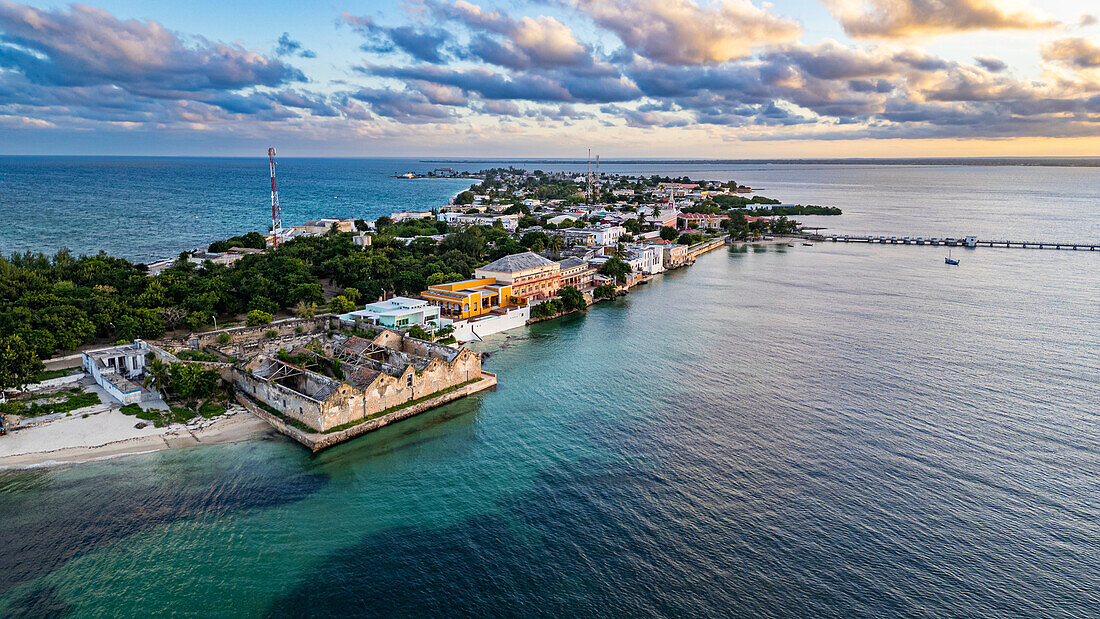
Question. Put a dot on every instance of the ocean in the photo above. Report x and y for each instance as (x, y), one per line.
(811, 431)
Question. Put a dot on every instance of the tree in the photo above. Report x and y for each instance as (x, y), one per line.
(466, 197)
(306, 310)
(617, 268)
(656, 210)
(572, 299)
(689, 238)
(418, 332)
(557, 243)
(669, 234)
(443, 278)
(604, 291)
(191, 381)
(352, 294)
(341, 305)
(159, 375)
(257, 317)
(633, 226)
(18, 363)
(383, 222)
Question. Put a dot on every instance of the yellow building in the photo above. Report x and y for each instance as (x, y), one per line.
(530, 275)
(469, 298)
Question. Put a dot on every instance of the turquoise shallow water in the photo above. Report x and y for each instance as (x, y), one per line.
(830, 430)
(772, 432)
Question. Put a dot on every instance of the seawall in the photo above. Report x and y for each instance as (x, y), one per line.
(317, 441)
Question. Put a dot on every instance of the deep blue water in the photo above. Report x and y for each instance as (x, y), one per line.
(773, 432)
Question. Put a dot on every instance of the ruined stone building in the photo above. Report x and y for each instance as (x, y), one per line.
(338, 380)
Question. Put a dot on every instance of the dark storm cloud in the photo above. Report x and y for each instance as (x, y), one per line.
(993, 65)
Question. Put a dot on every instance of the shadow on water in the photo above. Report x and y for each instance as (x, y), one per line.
(59, 514)
(535, 557)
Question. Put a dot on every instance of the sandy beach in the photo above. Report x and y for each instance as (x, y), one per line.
(112, 434)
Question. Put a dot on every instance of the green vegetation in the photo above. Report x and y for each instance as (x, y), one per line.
(176, 414)
(572, 299)
(252, 240)
(224, 338)
(197, 355)
(419, 333)
(19, 363)
(617, 268)
(258, 317)
(604, 291)
(50, 374)
(270, 333)
(70, 403)
(341, 305)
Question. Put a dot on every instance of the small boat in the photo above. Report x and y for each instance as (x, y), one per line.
(808, 244)
(790, 244)
(948, 260)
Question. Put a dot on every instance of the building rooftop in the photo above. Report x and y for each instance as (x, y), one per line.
(517, 262)
(570, 263)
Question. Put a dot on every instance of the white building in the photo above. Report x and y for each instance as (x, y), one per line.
(401, 216)
(118, 370)
(509, 222)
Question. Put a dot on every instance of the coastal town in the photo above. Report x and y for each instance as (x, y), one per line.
(335, 327)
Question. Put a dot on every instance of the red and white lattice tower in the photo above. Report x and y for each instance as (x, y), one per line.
(276, 212)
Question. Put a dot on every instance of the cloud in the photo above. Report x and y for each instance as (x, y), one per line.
(85, 46)
(405, 106)
(681, 32)
(1087, 20)
(426, 45)
(547, 86)
(1076, 52)
(289, 47)
(996, 65)
(911, 18)
(527, 42)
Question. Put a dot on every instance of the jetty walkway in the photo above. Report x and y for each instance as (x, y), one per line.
(968, 241)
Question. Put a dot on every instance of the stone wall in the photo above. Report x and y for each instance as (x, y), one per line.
(238, 335)
(316, 441)
(348, 404)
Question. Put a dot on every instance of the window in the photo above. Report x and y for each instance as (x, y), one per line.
(409, 380)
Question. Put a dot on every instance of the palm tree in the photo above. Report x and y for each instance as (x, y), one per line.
(556, 244)
(158, 373)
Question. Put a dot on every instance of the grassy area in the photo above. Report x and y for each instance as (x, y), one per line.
(196, 355)
(71, 403)
(352, 424)
(48, 374)
(176, 414)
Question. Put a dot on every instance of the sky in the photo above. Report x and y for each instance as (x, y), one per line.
(552, 78)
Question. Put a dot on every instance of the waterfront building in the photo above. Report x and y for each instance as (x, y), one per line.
(508, 222)
(469, 298)
(398, 313)
(119, 370)
(665, 219)
(577, 273)
(389, 372)
(701, 221)
(401, 216)
(319, 227)
(530, 275)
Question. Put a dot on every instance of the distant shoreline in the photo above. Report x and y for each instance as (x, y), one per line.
(1071, 162)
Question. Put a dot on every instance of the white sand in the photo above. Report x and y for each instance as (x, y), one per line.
(110, 434)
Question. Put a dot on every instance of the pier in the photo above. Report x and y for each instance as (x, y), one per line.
(968, 241)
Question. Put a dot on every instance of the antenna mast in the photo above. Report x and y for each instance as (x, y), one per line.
(597, 194)
(588, 178)
(276, 212)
